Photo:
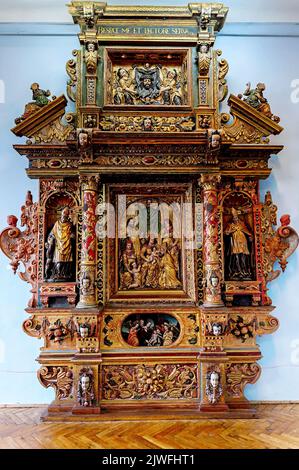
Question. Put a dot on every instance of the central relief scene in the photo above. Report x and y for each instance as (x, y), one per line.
(150, 254)
(139, 78)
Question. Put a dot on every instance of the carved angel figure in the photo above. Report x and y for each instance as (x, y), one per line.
(204, 59)
(171, 93)
(124, 87)
(91, 57)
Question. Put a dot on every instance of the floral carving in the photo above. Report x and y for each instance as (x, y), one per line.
(242, 329)
(21, 247)
(278, 245)
(146, 123)
(60, 378)
(239, 375)
(150, 382)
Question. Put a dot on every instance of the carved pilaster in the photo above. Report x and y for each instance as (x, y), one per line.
(89, 186)
(91, 62)
(212, 274)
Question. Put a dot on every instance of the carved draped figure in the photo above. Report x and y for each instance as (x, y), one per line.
(238, 241)
(62, 232)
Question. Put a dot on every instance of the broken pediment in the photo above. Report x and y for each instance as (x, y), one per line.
(250, 125)
(42, 120)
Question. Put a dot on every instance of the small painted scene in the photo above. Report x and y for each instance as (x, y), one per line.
(152, 330)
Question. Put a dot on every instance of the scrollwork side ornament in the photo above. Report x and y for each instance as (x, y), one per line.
(21, 247)
(278, 245)
(71, 69)
(60, 378)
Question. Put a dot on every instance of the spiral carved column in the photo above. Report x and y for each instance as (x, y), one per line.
(88, 296)
(212, 274)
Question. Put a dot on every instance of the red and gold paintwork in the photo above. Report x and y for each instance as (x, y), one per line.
(148, 149)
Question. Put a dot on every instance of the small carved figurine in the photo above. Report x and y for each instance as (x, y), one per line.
(60, 250)
(40, 96)
(91, 57)
(239, 267)
(204, 59)
(213, 387)
(86, 394)
(255, 98)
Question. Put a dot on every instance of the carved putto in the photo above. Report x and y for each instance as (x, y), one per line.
(204, 59)
(91, 57)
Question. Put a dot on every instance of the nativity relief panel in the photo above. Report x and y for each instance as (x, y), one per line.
(150, 248)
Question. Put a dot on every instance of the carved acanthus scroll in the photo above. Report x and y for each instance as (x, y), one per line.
(60, 378)
(21, 246)
(278, 245)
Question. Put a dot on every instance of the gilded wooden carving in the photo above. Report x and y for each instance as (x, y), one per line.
(150, 249)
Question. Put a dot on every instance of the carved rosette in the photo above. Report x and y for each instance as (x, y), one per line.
(238, 375)
(21, 246)
(89, 242)
(60, 378)
(150, 382)
(212, 275)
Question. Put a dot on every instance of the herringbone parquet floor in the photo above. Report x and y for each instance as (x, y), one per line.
(276, 427)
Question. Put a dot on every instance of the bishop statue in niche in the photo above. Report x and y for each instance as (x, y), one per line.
(147, 84)
(60, 266)
(238, 248)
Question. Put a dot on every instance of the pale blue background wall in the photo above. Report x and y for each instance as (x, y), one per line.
(25, 59)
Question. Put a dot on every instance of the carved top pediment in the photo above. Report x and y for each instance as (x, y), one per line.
(43, 124)
(249, 125)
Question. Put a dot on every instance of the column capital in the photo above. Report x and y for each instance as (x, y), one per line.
(209, 181)
(89, 182)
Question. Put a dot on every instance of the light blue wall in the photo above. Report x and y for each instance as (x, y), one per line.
(24, 60)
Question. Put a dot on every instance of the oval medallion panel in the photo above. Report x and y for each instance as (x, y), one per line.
(150, 330)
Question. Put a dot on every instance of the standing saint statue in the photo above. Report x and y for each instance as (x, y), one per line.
(239, 267)
(59, 254)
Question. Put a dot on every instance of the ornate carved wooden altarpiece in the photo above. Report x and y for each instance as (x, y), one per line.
(160, 311)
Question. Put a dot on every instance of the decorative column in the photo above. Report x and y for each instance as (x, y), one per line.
(88, 296)
(211, 219)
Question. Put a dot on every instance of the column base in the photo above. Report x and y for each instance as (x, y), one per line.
(219, 407)
(83, 305)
